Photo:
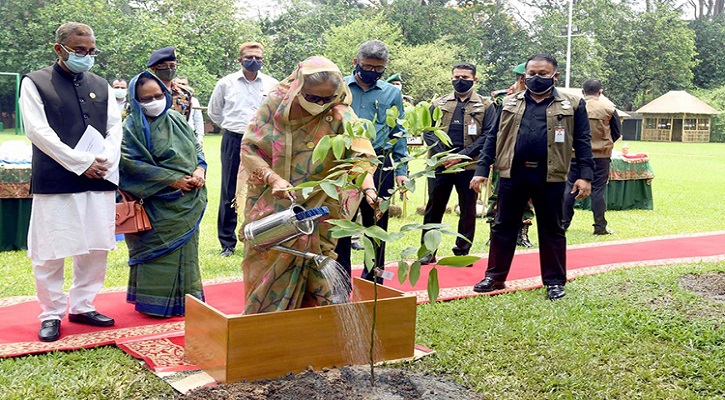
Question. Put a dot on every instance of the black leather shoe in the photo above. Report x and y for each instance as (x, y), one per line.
(49, 330)
(91, 318)
(488, 285)
(227, 251)
(555, 292)
(604, 231)
(429, 259)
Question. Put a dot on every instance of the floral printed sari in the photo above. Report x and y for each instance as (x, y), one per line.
(275, 281)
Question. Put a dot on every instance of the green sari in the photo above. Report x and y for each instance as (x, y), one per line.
(164, 261)
(275, 281)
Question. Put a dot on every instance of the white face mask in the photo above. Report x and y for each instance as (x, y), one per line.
(120, 93)
(312, 108)
(154, 108)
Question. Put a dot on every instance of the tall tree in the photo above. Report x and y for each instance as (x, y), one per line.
(709, 38)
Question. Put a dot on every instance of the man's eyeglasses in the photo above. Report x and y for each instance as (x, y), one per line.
(164, 67)
(149, 99)
(80, 52)
(317, 99)
(378, 68)
(250, 58)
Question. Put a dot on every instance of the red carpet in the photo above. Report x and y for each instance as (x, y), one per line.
(19, 324)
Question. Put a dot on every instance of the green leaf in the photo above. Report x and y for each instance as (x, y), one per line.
(306, 192)
(377, 233)
(402, 271)
(457, 261)
(391, 116)
(338, 147)
(408, 251)
(433, 286)
(437, 114)
(414, 273)
(321, 150)
(330, 189)
(384, 205)
(410, 185)
(337, 232)
(307, 184)
(443, 137)
(368, 253)
(343, 223)
(432, 239)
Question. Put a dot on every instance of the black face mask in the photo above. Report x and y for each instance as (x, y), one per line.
(167, 74)
(462, 85)
(538, 84)
(252, 65)
(368, 77)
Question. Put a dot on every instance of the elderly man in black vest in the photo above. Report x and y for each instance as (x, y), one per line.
(73, 185)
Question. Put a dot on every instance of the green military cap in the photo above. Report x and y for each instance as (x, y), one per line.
(520, 69)
(394, 78)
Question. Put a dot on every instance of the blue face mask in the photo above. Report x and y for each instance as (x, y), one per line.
(79, 64)
(252, 65)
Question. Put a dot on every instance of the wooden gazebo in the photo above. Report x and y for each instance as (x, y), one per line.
(676, 116)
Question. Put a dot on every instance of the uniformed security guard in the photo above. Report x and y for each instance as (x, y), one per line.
(606, 129)
(163, 64)
(522, 239)
(466, 118)
(537, 130)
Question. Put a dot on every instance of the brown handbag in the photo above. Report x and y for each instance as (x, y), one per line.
(131, 217)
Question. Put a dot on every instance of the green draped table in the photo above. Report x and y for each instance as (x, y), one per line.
(15, 205)
(629, 187)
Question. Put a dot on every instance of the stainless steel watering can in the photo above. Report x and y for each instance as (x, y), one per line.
(283, 226)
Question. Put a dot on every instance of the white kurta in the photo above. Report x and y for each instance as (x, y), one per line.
(63, 225)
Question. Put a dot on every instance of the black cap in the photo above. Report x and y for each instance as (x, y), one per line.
(161, 55)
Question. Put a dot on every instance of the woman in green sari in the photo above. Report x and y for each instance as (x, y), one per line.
(162, 164)
(277, 154)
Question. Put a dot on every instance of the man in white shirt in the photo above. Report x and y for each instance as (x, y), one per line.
(233, 103)
(73, 208)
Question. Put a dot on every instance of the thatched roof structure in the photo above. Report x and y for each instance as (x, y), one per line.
(677, 102)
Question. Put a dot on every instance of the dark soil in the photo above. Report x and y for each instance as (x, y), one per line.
(341, 384)
(710, 286)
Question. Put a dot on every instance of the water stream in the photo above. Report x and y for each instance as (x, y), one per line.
(353, 318)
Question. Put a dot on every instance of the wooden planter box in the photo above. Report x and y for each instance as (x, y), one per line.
(232, 348)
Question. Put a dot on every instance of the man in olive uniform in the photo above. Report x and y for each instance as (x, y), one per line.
(163, 64)
(536, 132)
(466, 118)
(497, 97)
(606, 129)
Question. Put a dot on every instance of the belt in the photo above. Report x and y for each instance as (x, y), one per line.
(531, 164)
(228, 132)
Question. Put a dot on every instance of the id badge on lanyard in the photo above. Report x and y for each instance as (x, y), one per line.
(559, 134)
(472, 129)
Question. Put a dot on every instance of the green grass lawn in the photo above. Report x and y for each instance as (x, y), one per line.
(626, 334)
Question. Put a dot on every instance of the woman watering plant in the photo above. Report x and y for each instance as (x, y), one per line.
(277, 152)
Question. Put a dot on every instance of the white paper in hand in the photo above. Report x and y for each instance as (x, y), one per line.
(91, 141)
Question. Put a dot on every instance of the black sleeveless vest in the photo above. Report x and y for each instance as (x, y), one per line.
(71, 102)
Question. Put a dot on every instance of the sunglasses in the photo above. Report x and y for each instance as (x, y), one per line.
(317, 99)
(148, 99)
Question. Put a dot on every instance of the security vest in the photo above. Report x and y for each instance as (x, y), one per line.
(560, 112)
(71, 103)
(472, 113)
(600, 114)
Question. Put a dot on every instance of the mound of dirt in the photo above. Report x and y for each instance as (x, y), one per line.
(340, 384)
(710, 285)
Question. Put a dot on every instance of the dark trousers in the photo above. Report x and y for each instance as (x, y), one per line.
(598, 198)
(227, 219)
(439, 191)
(384, 180)
(513, 193)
